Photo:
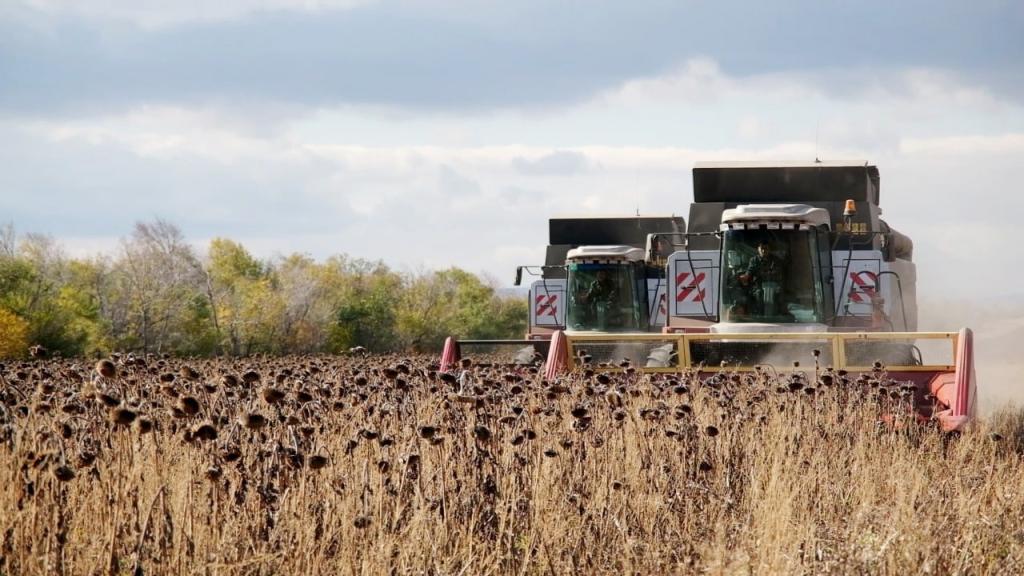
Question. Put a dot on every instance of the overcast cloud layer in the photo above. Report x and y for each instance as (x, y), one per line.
(430, 134)
(76, 55)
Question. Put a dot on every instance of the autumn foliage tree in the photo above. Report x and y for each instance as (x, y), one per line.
(13, 335)
(159, 294)
(455, 302)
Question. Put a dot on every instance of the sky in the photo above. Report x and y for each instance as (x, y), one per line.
(436, 133)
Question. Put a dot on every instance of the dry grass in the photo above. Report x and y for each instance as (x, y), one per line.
(380, 465)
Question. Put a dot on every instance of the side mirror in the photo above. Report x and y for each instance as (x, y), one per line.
(519, 275)
(652, 247)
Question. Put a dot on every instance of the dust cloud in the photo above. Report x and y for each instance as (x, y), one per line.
(998, 326)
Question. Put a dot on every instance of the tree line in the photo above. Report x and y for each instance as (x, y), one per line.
(156, 294)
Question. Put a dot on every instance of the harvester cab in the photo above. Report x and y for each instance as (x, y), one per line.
(776, 269)
(607, 289)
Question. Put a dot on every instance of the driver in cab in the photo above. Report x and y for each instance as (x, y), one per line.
(763, 267)
(602, 289)
(764, 276)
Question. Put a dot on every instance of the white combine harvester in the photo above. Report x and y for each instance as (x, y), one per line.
(780, 265)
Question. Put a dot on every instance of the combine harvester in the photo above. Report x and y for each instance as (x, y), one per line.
(782, 265)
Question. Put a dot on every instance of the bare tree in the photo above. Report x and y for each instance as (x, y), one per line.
(47, 260)
(8, 240)
(302, 293)
(162, 275)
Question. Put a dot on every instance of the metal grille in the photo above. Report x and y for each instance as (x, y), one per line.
(637, 353)
(908, 352)
(778, 353)
(520, 352)
(899, 351)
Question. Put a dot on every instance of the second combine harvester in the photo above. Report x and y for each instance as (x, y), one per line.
(781, 265)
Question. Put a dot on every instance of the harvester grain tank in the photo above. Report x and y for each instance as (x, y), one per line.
(780, 263)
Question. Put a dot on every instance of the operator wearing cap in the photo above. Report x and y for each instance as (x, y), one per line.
(764, 275)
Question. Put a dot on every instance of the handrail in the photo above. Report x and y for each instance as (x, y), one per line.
(836, 340)
(820, 336)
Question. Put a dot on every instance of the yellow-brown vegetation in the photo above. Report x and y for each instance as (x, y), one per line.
(308, 465)
(13, 335)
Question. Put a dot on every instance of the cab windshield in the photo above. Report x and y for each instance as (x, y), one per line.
(773, 276)
(602, 297)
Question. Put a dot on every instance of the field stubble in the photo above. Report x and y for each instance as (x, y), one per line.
(308, 465)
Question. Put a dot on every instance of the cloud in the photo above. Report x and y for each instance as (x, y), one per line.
(159, 14)
(562, 162)
(456, 187)
(61, 57)
(959, 145)
(398, 186)
(81, 181)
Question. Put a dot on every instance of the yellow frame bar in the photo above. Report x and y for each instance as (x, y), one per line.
(837, 341)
